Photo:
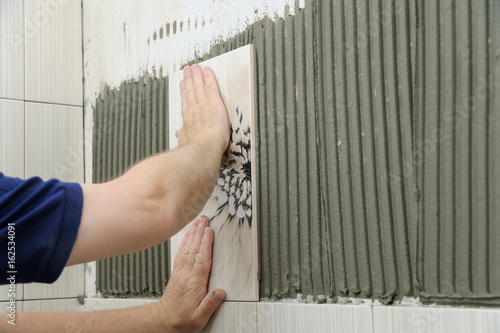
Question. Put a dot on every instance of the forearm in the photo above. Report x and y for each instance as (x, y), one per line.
(133, 320)
(180, 182)
(147, 205)
(160, 195)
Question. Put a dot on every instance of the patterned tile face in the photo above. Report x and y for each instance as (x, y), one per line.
(232, 206)
(54, 52)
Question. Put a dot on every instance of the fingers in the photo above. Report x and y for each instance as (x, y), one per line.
(180, 259)
(211, 87)
(194, 246)
(187, 246)
(187, 89)
(210, 303)
(203, 261)
(199, 83)
(193, 84)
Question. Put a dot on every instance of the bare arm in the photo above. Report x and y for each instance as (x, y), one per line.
(127, 320)
(160, 195)
(185, 306)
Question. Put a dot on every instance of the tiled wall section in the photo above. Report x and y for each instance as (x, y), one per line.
(38, 138)
(377, 125)
(266, 317)
(54, 51)
(12, 49)
(12, 137)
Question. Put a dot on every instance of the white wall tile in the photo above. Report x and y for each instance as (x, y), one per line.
(237, 317)
(54, 142)
(393, 319)
(11, 154)
(293, 317)
(102, 304)
(54, 134)
(69, 284)
(53, 32)
(12, 49)
(4, 307)
(18, 292)
(12, 138)
(55, 305)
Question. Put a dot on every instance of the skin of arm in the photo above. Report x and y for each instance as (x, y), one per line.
(146, 206)
(160, 195)
(185, 306)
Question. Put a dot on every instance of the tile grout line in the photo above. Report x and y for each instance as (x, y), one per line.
(39, 102)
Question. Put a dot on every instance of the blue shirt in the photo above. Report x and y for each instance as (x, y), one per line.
(39, 221)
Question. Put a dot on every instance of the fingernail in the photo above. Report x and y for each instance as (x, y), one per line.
(206, 230)
(219, 295)
(196, 222)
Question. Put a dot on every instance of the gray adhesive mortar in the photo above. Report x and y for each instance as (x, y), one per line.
(344, 104)
(131, 124)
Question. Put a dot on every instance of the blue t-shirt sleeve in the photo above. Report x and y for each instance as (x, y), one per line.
(46, 216)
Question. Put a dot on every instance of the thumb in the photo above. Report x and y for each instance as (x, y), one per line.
(211, 302)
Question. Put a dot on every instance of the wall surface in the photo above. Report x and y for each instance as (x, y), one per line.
(131, 124)
(376, 140)
(41, 116)
(457, 106)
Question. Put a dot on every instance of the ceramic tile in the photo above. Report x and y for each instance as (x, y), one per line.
(388, 319)
(238, 317)
(54, 51)
(4, 307)
(69, 284)
(18, 292)
(12, 49)
(102, 304)
(53, 305)
(12, 138)
(54, 142)
(54, 136)
(232, 206)
(293, 317)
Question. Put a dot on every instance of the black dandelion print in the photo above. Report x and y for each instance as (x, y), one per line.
(234, 186)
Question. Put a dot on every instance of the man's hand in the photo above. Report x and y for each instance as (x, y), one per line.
(203, 112)
(160, 195)
(186, 306)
